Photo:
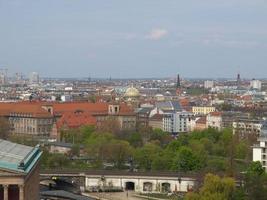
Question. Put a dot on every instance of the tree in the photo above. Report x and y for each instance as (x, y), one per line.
(163, 161)
(145, 156)
(135, 140)
(119, 152)
(214, 188)
(163, 137)
(255, 168)
(86, 131)
(241, 150)
(186, 160)
(256, 182)
(4, 128)
(216, 165)
(57, 161)
(75, 150)
(97, 148)
(109, 125)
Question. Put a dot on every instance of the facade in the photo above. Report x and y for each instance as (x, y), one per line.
(3, 79)
(142, 116)
(247, 126)
(19, 169)
(141, 184)
(260, 150)
(156, 121)
(202, 110)
(44, 119)
(214, 120)
(208, 84)
(34, 77)
(125, 117)
(255, 84)
(200, 123)
(177, 122)
(29, 119)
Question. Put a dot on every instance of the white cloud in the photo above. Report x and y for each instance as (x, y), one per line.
(157, 34)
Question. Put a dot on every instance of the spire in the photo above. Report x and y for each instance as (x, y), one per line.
(178, 83)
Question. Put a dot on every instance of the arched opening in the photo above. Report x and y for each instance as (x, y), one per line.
(166, 187)
(129, 186)
(147, 187)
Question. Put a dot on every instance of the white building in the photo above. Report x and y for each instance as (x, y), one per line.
(34, 77)
(177, 122)
(208, 84)
(66, 98)
(255, 84)
(214, 120)
(3, 79)
(260, 150)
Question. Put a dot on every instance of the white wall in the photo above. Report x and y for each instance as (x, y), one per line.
(187, 183)
(256, 154)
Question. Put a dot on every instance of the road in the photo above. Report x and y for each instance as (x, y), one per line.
(116, 196)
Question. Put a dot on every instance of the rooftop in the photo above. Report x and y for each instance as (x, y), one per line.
(17, 157)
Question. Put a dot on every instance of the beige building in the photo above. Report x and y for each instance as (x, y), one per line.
(156, 121)
(27, 118)
(202, 110)
(19, 171)
(126, 119)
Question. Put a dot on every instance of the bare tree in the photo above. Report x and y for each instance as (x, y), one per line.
(4, 128)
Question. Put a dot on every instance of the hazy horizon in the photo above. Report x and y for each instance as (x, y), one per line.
(123, 38)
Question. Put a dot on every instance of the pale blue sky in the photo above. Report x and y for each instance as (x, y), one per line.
(134, 38)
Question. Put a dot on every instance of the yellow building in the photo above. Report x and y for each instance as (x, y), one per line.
(202, 110)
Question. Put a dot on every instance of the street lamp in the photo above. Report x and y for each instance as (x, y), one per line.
(103, 179)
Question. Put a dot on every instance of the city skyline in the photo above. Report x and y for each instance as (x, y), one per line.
(134, 39)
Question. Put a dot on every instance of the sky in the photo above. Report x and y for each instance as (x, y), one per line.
(134, 38)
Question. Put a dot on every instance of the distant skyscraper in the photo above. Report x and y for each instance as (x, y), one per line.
(3, 78)
(18, 78)
(3, 75)
(238, 81)
(34, 77)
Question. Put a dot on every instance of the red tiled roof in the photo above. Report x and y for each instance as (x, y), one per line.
(34, 109)
(216, 114)
(202, 120)
(156, 117)
(76, 119)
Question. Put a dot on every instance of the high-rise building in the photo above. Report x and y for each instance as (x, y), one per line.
(34, 77)
(177, 122)
(238, 81)
(3, 78)
(255, 84)
(208, 84)
(260, 149)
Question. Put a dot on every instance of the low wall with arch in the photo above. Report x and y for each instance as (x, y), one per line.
(140, 183)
